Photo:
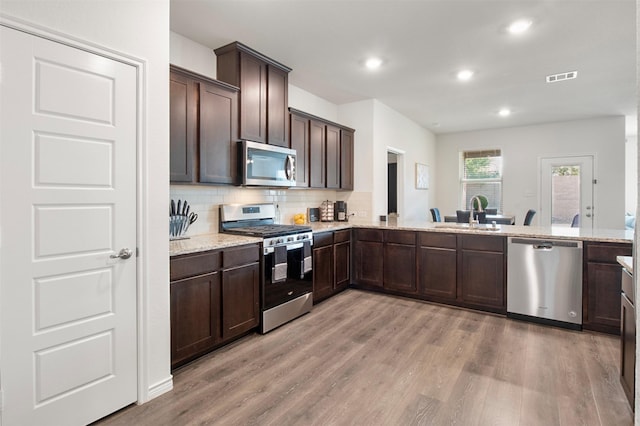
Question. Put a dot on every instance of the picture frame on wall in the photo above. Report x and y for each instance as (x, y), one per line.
(422, 176)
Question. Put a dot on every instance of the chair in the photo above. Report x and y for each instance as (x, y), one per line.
(463, 216)
(435, 214)
(529, 217)
(481, 217)
(491, 211)
(575, 222)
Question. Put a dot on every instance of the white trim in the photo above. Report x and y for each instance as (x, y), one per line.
(159, 388)
(145, 391)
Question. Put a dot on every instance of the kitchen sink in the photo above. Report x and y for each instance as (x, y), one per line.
(476, 227)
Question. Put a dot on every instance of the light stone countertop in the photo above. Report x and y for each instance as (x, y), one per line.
(205, 242)
(597, 235)
(626, 262)
(199, 243)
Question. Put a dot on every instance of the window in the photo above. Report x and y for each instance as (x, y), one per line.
(481, 174)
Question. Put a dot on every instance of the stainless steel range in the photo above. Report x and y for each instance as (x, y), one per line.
(286, 289)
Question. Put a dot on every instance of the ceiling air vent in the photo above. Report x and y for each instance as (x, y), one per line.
(562, 76)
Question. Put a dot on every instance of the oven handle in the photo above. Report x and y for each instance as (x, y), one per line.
(291, 246)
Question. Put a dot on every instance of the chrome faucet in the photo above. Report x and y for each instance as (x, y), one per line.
(471, 220)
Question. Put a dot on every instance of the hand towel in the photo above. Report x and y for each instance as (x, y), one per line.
(306, 257)
(279, 264)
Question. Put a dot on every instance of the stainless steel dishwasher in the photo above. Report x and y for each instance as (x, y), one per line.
(544, 281)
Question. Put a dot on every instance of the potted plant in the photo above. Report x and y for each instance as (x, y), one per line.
(484, 202)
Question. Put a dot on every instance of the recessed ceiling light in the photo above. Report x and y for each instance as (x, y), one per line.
(373, 63)
(465, 75)
(519, 26)
(504, 112)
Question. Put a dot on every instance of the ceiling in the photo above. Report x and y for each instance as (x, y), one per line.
(425, 43)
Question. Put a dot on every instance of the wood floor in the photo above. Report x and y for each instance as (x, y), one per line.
(367, 359)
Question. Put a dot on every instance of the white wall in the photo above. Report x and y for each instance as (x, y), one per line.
(393, 130)
(631, 174)
(140, 29)
(522, 147)
(193, 56)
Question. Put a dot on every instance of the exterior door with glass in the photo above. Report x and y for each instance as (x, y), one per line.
(566, 192)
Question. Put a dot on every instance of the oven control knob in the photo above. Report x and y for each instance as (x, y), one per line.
(289, 238)
(279, 240)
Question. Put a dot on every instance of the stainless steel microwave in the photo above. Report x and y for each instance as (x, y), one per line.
(266, 165)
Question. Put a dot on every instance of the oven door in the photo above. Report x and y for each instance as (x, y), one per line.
(297, 283)
(267, 165)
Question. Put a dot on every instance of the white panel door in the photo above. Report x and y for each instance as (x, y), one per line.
(566, 192)
(68, 205)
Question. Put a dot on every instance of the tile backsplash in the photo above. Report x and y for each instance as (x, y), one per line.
(205, 201)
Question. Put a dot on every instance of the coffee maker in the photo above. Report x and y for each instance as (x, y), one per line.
(340, 211)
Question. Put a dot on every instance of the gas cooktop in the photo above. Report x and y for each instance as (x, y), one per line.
(269, 230)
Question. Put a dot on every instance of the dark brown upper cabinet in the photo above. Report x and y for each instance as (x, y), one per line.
(203, 129)
(299, 137)
(332, 134)
(324, 151)
(183, 126)
(346, 159)
(264, 97)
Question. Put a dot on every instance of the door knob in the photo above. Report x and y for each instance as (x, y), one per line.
(125, 253)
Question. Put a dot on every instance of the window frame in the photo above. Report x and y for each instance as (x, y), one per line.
(462, 196)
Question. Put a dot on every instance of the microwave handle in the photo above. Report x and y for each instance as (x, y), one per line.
(288, 167)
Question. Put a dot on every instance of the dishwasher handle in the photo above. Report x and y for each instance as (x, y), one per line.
(540, 244)
(543, 246)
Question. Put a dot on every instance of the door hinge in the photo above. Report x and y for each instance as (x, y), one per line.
(595, 181)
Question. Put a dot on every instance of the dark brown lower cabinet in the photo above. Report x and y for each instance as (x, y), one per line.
(399, 262)
(601, 286)
(331, 263)
(368, 253)
(323, 273)
(628, 349)
(240, 300)
(342, 259)
(195, 316)
(482, 267)
(437, 266)
(214, 299)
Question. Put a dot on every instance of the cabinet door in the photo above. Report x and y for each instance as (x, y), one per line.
(627, 348)
(218, 134)
(346, 160)
(604, 287)
(482, 279)
(323, 275)
(253, 99)
(333, 156)
(342, 262)
(368, 263)
(183, 127)
(400, 267)
(299, 137)
(437, 272)
(195, 316)
(317, 158)
(240, 299)
(277, 104)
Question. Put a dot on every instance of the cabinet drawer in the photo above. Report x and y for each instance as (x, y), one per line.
(436, 239)
(607, 252)
(401, 237)
(194, 264)
(341, 236)
(483, 243)
(369, 235)
(240, 256)
(323, 239)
